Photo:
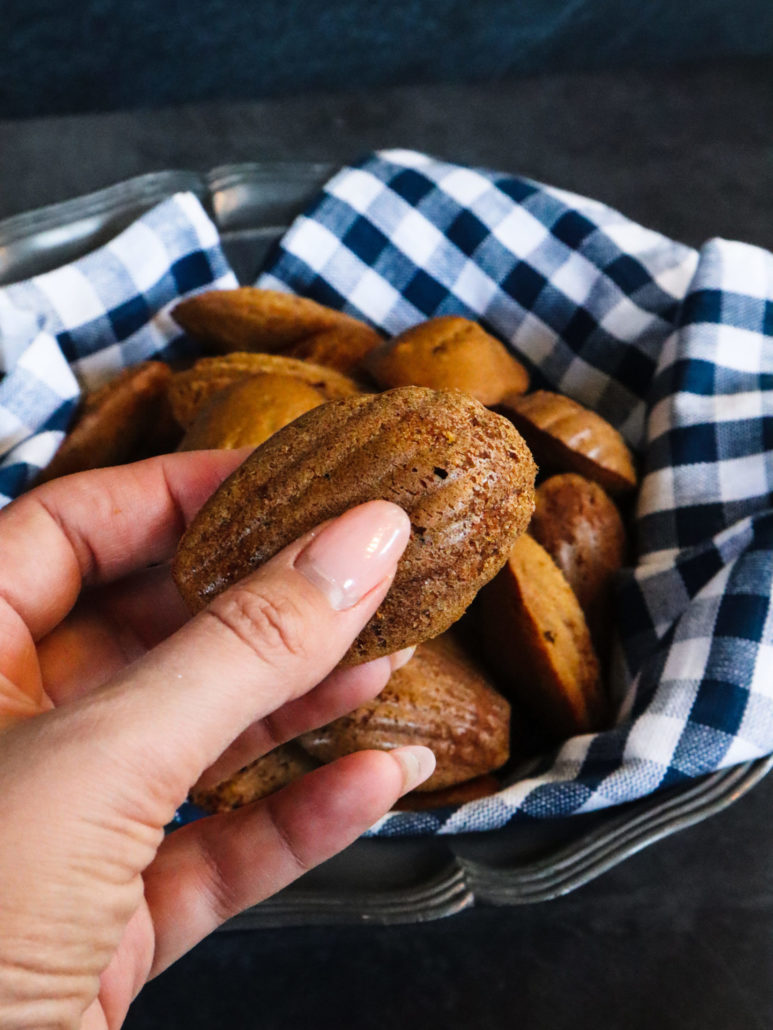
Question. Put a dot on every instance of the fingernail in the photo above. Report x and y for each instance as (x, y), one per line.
(401, 658)
(353, 554)
(418, 764)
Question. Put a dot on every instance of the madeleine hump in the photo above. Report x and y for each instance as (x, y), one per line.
(463, 475)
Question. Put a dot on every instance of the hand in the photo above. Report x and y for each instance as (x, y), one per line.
(113, 703)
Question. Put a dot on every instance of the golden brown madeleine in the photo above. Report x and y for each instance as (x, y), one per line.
(471, 790)
(462, 473)
(251, 319)
(192, 388)
(257, 780)
(580, 527)
(343, 347)
(449, 353)
(126, 419)
(536, 637)
(249, 411)
(567, 437)
(440, 699)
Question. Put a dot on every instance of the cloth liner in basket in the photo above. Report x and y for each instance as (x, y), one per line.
(671, 345)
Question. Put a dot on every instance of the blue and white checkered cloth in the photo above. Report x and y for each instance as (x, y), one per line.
(670, 344)
(71, 329)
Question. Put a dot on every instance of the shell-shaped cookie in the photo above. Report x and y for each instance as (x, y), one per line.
(580, 527)
(536, 637)
(252, 319)
(342, 347)
(440, 699)
(257, 780)
(191, 389)
(126, 419)
(462, 473)
(449, 353)
(249, 411)
(567, 437)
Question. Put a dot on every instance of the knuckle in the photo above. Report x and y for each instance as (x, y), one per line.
(273, 731)
(219, 893)
(285, 837)
(271, 626)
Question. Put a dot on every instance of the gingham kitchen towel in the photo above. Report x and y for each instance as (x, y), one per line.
(670, 344)
(75, 327)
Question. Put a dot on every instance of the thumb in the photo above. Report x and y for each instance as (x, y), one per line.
(265, 641)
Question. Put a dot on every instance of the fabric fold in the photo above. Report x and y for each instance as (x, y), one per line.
(673, 346)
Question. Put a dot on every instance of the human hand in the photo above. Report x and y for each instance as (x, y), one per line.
(113, 704)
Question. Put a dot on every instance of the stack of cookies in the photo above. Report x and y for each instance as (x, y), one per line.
(506, 583)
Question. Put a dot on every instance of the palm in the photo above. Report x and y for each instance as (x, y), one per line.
(78, 655)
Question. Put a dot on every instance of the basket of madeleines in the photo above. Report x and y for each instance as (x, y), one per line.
(514, 496)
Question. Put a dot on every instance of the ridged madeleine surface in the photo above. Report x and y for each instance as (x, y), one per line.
(535, 636)
(567, 437)
(440, 699)
(463, 475)
(580, 527)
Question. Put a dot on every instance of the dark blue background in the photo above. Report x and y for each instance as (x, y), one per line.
(105, 55)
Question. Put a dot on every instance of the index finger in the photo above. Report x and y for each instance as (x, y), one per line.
(264, 642)
(94, 527)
